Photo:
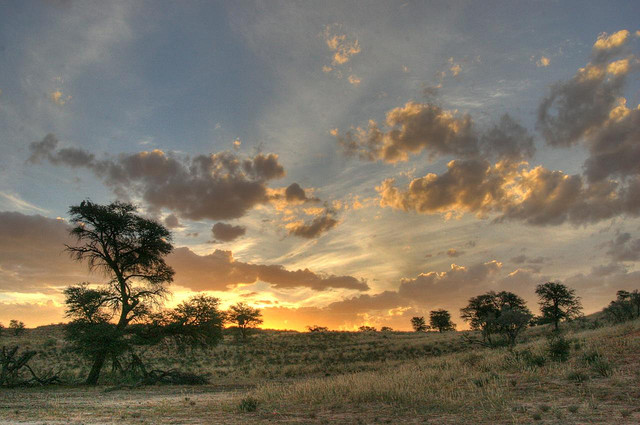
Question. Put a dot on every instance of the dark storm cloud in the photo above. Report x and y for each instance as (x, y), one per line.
(227, 232)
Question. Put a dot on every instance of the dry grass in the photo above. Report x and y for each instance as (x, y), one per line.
(287, 377)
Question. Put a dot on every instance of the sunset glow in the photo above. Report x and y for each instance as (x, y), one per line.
(335, 165)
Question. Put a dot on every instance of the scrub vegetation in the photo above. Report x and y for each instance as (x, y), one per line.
(587, 373)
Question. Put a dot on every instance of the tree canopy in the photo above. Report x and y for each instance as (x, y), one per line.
(441, 320)
(503, 313)
(557, 303)
(129, 250)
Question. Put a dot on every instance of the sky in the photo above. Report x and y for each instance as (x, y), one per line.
(332, 163)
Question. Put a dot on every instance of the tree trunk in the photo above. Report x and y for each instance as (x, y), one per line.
(98, 362)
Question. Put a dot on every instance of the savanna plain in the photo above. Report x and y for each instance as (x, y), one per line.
(591, 376)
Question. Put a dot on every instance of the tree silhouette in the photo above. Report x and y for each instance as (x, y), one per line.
(418, 324)
(17, 327)
(317, 328)
(557, 303)
(365, 328)
(441, 320)
(245, 317)
(626, 306)
(503, 313)
(129, 250)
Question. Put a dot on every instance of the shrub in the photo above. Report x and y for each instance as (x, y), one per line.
(248, 404)
(531, 359)
(559, 348)
(577, 376)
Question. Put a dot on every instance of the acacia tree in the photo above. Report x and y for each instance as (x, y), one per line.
(558, 302)
(17, 327)
(626, 306)
(503, 313)
(418, 324)
(129, 250)
(441, 320)
(245, 317)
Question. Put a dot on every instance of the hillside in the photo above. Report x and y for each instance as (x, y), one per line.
(395, 377)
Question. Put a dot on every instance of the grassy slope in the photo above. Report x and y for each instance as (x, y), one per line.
(362, 378)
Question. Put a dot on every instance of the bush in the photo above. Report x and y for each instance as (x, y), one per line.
(532, 359)
(577, 376)
(559, 348)
(248, 404)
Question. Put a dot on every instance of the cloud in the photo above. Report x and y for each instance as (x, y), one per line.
(471, 185)
(417, 127)
(354, 80)
(32, 257)
(415, 296)
(454, 67)
(607, 45)
(172, 222)
(615, 149)
(32, 260)
(543, 62)
(295, 193)
(59, 98)
(219, 271)
(535, 196)
(575, 108)
(226, 232)
(413, 128)
(440, 287)
(46, 150)
(624, 248)
(341, 48)
(452, 252)
(520, 259)
(218, 186)
(319, 225)
(20, 203)
(507, 140)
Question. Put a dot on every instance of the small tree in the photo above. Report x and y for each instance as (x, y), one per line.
(17, 327)
(129, 250)
(418, 324)
(503, 313)
(316, 328)
(245, 317)
(625, 307)
(386, 329)
(557, 303)
(365, 328)
(441, 320)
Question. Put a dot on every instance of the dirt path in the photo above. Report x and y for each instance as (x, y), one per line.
(153, 405)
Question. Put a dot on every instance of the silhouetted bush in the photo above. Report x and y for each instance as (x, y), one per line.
(558, 347)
